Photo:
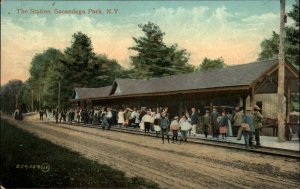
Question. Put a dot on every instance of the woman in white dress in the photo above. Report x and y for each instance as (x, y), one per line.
(229, 133)
(157, 128)
(185, 127)
(121, 118)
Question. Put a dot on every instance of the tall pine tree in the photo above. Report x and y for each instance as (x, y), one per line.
(154, 58)
(80, 59)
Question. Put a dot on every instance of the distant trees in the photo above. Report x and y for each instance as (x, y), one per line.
(270, 46)
(77, 66)
(154, 58)
(210, 64)
(11, 96)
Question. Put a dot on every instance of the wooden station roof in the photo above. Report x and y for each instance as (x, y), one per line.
(237, 77)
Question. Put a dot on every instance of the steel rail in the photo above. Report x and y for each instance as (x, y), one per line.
(217, 143)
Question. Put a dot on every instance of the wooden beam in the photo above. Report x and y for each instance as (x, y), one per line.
(292, 69)
(261, 84)
(265, 74)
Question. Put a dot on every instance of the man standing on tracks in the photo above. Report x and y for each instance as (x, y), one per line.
(248, 132)
(164, 124)
(257, 118)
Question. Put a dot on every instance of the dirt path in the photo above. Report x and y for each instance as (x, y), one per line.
(171, 165)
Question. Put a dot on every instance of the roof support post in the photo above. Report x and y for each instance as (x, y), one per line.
(288, 102)
(180, 108)
(184, 105)
(252, 96)
(244, 102)
(210, 105)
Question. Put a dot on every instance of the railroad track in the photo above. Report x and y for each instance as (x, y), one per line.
(193, 140)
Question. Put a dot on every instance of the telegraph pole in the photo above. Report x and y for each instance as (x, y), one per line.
(31, 100)
(39, 101)
(280, 91)
(58, 96)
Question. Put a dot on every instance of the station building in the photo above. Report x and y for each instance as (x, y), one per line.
(239, 85)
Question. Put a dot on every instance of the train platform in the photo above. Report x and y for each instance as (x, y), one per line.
(266, 141)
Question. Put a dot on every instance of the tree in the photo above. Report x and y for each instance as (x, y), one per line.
(80, 59)
(210, 64)
(79, 66)
(270, 46)
(57, 74)
(154, 58)
(105, 71)
(10, 96)
(41, 79)
(292, 37)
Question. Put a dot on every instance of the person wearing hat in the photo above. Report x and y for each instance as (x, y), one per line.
(156, 123)
(214, 123)
(237, 120)
(147, 120)
(257, 119)
(121, 117)
(175, 128)
(248, 133)
(164, 125)
(206, 123)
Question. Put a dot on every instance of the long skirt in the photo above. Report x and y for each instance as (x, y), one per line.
(223, 130)
(229, 129)
(142, 126)
(157, 128)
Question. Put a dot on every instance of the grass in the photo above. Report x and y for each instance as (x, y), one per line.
(67, 168)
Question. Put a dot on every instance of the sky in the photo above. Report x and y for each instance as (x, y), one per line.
(232, 30)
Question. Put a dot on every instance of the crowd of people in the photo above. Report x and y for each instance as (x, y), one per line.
(219, 123)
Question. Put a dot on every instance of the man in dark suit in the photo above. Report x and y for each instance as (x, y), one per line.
(194, 120)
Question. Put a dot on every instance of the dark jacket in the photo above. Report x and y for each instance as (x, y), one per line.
(194, 118)
(224, 121)
(164, 123)
(213, 118)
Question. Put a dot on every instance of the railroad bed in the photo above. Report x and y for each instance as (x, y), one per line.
(195, 140)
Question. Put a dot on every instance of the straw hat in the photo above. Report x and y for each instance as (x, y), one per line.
(255, 107)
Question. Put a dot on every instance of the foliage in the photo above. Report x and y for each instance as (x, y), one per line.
(270, 46)
(10, 96)
(67, 168)
(210, 64)
(154, 58)
(46, 72)
(56, 79)
(80, 59)
(292, 37)
(77, 66)
(105, 71)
